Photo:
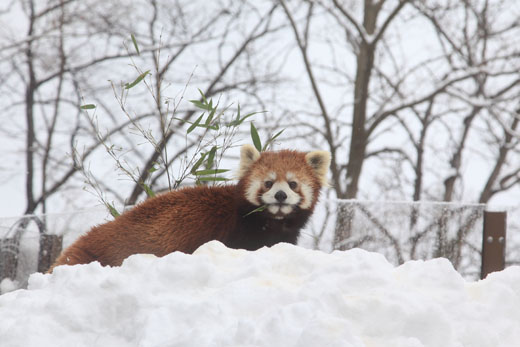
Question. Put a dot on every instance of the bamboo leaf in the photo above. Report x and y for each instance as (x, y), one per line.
(210, 172)
(212, 179)
(137, 80)
(194, 125)
(211, 157)
(187, 121)
(134, 41)
(256, 138)
(200, 104)
(203, 96)
(272, 139)
(198, 163)
(113, 211)
(237, 120)
(87, 107)
(247, 116)
(259, 209)
(182, 120)
(210, 115)
(148, 190)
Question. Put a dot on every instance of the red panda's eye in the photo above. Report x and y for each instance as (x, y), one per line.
(268, 184)
(293, 185)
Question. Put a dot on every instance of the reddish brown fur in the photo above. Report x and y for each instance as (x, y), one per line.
(184, 219)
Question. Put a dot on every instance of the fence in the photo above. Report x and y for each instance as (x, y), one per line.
(49, 246)
(405, 231)
(31, 243)
(399, 230)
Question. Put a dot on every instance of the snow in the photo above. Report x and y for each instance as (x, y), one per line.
(279, 296)
(8, 285)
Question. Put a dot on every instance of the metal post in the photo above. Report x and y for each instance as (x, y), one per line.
(493, 242)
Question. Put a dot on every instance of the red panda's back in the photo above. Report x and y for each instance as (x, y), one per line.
(180, 220)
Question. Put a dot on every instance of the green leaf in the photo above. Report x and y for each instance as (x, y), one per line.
(210, 172)
(239, 121)
(248, 115)
(194, 125)
(213, 127)
(112, 210)
(211, 157)
(238, 116)
(135, 44)
(182, 120)
(272, 139)
(200, 104)
(256, 138)
(211, 114)
(211, 178)
(137, 80)
(148, 190)
(87, 107)
(199, 162)
(259, 209)
(203, 96)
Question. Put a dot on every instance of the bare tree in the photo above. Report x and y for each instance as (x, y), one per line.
(71, 47)
(364, 37)
(46, 75)
(480, 42)
(465, 77)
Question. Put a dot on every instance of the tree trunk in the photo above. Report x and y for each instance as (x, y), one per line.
(358, 140)
(29, 118)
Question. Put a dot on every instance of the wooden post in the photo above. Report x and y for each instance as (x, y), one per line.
(9, 257)
(493, 242)
(50, 249)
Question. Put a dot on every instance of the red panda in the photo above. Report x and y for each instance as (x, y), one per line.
(286, 184)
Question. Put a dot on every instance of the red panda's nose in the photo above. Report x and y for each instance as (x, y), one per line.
(280, 196)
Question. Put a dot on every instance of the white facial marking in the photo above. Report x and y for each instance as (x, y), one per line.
(252, 192)
(307, 195)
(292, 197)
(286, 209)
(273, 209)
(303, 198)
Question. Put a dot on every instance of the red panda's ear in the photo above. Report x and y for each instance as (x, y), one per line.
(248, 155)
(320, 162)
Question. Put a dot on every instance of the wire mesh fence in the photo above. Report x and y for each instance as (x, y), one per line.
(31, 243)
(402, 230)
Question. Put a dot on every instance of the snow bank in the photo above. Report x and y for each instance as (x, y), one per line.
(282, 296)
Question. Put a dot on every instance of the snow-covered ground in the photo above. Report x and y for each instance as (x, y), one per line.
(282, 296)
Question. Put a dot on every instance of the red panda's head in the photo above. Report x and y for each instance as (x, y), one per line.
(283, 181)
